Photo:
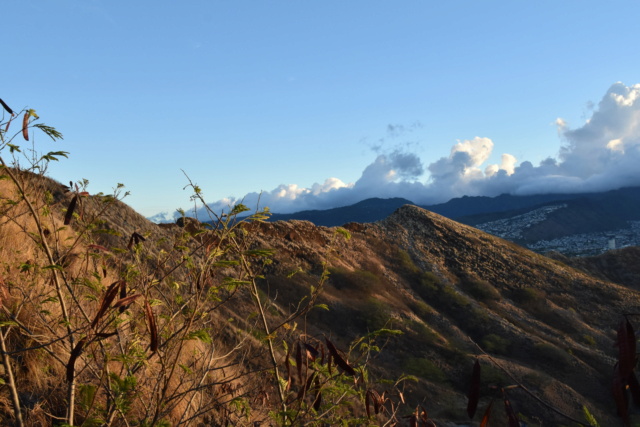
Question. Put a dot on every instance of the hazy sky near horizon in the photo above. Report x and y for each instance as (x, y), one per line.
(323, 104)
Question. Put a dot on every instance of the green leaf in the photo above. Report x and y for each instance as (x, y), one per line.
(53, 155)
(589, 417)
(259, 252)
(185, 368)
(87, 393)
(230, 281)
(225, 263)
(294, 272)
(26, 266)
(238, 209)
(201, 335)
(49, 131)
(8, 323)
(13, 148)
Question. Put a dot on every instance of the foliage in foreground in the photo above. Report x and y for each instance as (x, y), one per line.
(105, 329)
(101, 328)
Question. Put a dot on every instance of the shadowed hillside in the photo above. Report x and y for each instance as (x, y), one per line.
(621, 266)
(446, 286)
(454, 293)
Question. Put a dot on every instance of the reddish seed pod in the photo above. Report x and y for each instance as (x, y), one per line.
(25, 124)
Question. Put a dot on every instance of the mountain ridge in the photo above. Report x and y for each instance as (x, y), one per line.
(586, 216)
(455, 294)
(465, 261)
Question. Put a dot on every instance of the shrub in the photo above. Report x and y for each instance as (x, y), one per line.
(493, 343)
(452, 300)
(421, 335)
(357, 280)
(552, 354)
(475, 321)
(424, 368)
(536, 379)
(492, 376)
(481, 290)
(589, 340)
(527, 296)
(373, 315)
(403, 260)
(426, 285)
(421, 309)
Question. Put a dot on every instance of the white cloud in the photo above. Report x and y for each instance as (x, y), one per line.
(508, 164)
(616, 145)
(602, 154)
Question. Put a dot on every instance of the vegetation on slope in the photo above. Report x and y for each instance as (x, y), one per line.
(108, 319)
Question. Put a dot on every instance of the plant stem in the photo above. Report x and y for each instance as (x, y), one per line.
(6, 361)
(56, 279)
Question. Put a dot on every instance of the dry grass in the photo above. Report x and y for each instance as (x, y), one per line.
(432, 279)
(182, 372)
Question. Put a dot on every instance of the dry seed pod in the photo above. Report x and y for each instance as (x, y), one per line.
(123, 295)
(126, 302)
(25, 124)
(6, 107)
(626, 348)
(99, 248)
(153, 328)
(312, 353)
(135, 239)
(72, 206)
(343, 364)
(109, 296)
(474, 390)
(306, 387)
(511, 414)
(618, 391)
(487, 415)
(287, 365)
(634, 388)
(318, 400)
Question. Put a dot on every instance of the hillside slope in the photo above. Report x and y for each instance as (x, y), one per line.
(446, 285)
(454, 292)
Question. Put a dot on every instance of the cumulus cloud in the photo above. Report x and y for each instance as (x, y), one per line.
(600, 155)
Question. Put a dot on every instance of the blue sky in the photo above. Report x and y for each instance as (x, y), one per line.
(361, 98)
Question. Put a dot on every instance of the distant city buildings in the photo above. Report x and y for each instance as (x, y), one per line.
(575, 245)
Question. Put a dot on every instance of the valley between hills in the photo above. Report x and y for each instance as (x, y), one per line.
(167, 329)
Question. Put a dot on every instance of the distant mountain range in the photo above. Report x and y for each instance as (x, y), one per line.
(578, 224)
(369, 210)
